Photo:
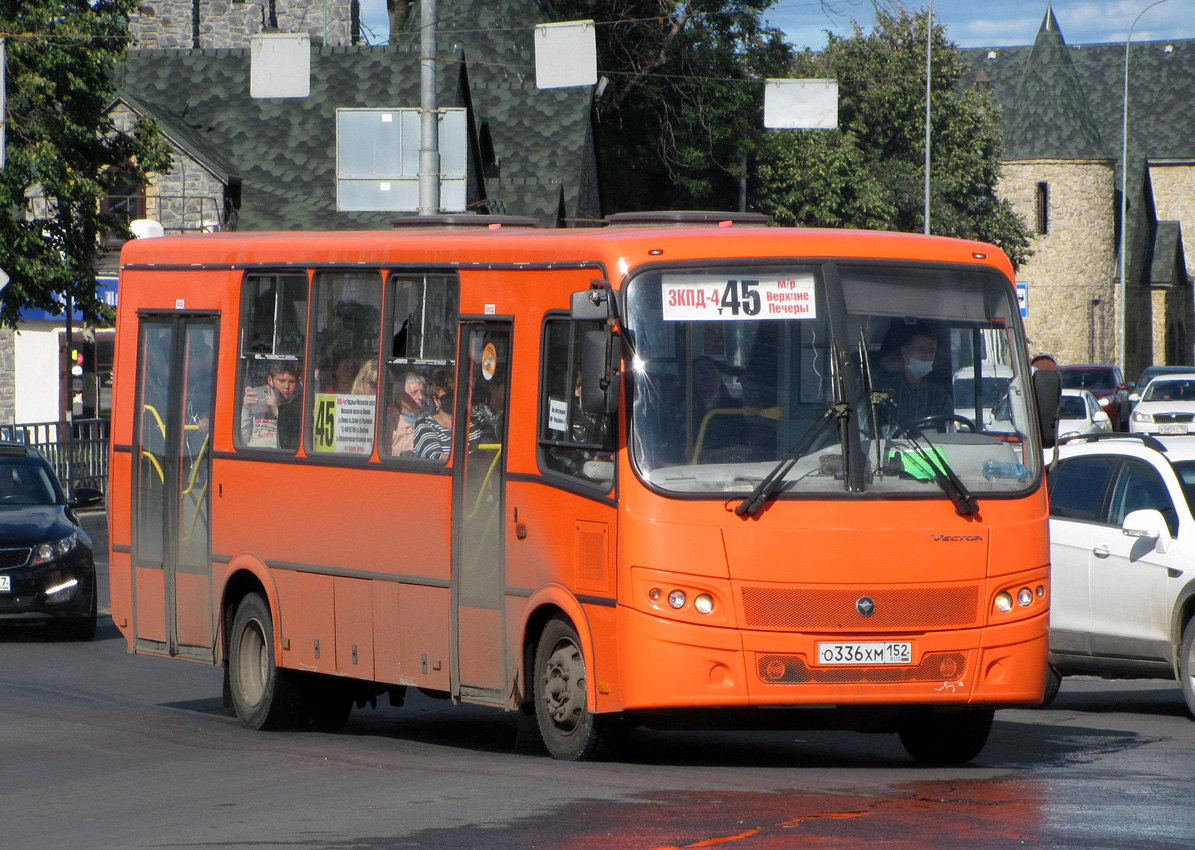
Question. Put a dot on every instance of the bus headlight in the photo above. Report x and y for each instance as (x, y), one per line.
(1003, 602)
(677, 599)
(704, 603)
(1024, 597)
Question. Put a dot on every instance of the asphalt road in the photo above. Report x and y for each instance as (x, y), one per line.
(101, 749)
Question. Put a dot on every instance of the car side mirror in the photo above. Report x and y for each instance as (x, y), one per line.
(1148, 524)
(86, 497)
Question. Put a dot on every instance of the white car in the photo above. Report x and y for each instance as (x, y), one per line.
(1122, 552)
(1079, 413)
(1167, 406)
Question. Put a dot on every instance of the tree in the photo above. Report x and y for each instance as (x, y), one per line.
(64, 151)
(684, 96)
(869, 172)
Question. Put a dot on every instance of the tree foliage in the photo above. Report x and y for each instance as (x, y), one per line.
(64, 151)
(684, 96)
(870, 171)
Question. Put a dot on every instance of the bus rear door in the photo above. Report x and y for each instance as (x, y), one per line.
(172, 596)
(478, 567)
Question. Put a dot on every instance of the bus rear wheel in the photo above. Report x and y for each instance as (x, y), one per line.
(264, 696)
(948, 737)
(570, 731)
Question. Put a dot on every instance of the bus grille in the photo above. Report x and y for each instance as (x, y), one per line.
(13, 558)
(791, 670)
(914, 609)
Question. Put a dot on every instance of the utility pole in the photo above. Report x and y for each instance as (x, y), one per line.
(429, 137)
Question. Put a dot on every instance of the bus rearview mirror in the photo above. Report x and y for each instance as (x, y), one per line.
(601, 354)
(1047, 392)
(590, 305)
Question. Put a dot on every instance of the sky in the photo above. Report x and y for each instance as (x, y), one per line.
(969, 23)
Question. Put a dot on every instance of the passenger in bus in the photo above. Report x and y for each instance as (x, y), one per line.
(410, 391)
(487, 417)
(905, 372)
(433, 433)
(270, 414)
(366, 382)
(337, 374)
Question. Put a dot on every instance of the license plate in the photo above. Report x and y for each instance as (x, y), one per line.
(1172, 429)
(866, 652)
(5, 584)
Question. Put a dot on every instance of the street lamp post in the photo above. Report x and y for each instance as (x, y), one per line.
(1124, 196)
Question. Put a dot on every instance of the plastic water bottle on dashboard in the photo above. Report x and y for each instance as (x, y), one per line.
(993, 469)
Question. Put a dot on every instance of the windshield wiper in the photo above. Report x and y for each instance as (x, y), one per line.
(964, 502)
(772, 481)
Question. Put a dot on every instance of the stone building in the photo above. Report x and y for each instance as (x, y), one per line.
(1063, 171)
(245, 163)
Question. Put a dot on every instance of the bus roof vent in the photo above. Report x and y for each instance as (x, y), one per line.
(713, 217)
(451, 220)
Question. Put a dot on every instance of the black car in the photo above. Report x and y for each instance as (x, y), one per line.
(47, 569)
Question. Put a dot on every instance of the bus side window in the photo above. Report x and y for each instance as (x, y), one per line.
(571, 441)
(273, 344)
(418, 382)
(346, 323)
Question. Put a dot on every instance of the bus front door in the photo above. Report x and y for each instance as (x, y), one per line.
(478, 566)
(171, 542)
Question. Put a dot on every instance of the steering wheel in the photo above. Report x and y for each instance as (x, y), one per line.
(940, 422)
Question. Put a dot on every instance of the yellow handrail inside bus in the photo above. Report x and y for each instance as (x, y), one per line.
(198, 460)
(496, 448)
(161, 424)
(759, 412)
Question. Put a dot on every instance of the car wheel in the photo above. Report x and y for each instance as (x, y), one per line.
(1186, 665)
(264, 696)
(82, 629)
(949, 737)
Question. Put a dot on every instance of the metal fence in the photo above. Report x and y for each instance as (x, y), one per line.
(78, 451)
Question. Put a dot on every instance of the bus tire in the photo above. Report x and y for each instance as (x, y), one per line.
(1053, 683)
(1186, 665)
(949, 737)
(569, 730)
(264, 696)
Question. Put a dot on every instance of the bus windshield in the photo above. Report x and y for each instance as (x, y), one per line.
(867, 378)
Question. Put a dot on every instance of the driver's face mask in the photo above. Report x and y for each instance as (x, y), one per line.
(920, 368)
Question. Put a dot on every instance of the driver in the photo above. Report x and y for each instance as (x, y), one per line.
(915, 392)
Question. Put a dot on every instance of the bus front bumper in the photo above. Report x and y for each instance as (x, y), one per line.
(675, 664)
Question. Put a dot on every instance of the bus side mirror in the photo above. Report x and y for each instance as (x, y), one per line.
(590, 305)
(601, 355)
(1047, 392)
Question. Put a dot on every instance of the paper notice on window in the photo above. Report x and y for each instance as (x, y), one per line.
(558, 415)
(708, 298)
(344, 423)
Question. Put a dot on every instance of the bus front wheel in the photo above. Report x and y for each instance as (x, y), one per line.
(953, 737)
(570, 731)
(264, 696)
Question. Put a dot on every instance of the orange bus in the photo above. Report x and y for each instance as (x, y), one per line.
(701, 471)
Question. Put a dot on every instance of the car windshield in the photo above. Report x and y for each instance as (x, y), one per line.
(1185, 470)
(26, 481)
(1169, 390)
(1087, 379)
(733, 370)
(1072, 407)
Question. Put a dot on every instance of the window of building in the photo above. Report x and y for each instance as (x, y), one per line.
(571, 441)
(124, 201)
(1043, 208)
(420, 376)
(346, 323)
(377, 159)
(273, 344)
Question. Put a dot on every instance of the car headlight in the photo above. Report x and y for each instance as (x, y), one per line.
(1142, 417)
(1105, 401)
(44, 553)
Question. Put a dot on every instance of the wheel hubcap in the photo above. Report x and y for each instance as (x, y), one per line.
(253, 661)
(564, 686)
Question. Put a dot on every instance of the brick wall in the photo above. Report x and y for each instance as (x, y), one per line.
(1074, 262)
(1174, 200)
(8, 382)
(163, 24)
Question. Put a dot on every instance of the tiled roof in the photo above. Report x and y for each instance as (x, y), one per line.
(284, 149)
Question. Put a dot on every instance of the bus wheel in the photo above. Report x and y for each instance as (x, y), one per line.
(264, 696)
(1053, 683)
(952, 737)
(569, 730)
